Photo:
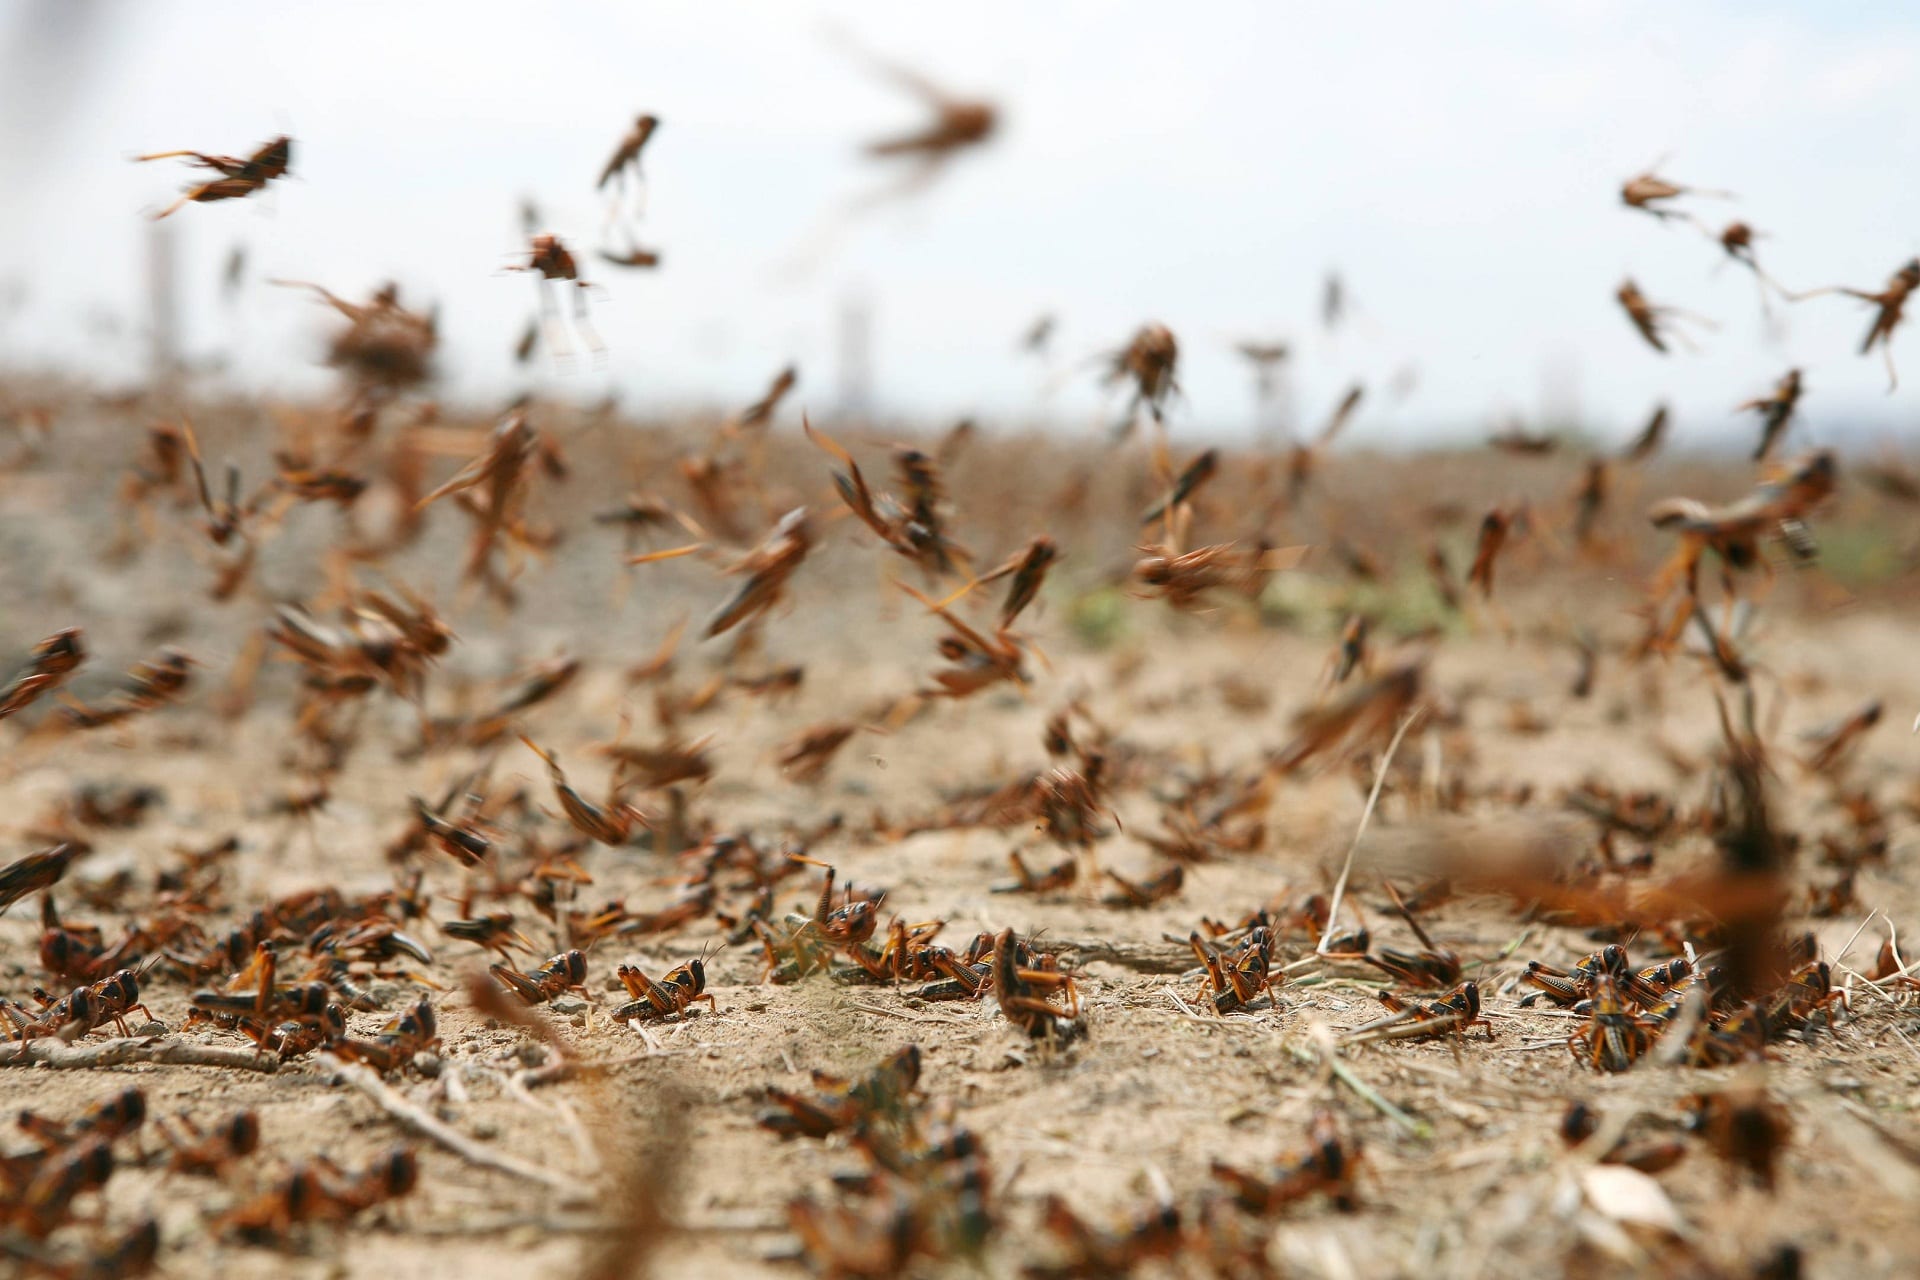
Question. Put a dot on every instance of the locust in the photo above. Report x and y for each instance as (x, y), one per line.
(1303, 460)
(1649, 193)
(608, 824)
(975, 660)
(1025, 571)
(552, 263)
(1777, 506)
(805, 757)
(240, 176)
(1367, 713)
(1148, 361)
(766, 569)
(562, 973)
(1892, 305)
(1494, 527)
(838, 1104)
(208, 1152)
(385, 347)
(1648, 318)
(1651, 436)
(1327, 1165)
(1776, 411)
(1613, 1038)
(1050, 880)
(759, 414)
(958, 125)
(625, 159)
(682, 987)
(914, 528)
(1144, 893)
(1024, 994)
(151, 684)
(1235, 979)
(48, 665)
(37, 871)
(1451, 1015)
(1434, 966)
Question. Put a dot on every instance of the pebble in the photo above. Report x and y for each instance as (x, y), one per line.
(151, 1029)
(564, 1005)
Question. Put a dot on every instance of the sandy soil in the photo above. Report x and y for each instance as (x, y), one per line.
(1473, 1181)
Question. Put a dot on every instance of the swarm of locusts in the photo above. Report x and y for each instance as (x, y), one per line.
(603, 870)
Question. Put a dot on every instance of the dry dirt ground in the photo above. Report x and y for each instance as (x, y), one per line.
(1469, 1178)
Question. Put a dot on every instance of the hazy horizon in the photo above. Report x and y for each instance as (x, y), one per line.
(1460, 170)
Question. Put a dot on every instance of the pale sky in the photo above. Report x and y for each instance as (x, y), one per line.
(1204, 166)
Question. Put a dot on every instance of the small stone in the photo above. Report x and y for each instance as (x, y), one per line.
(565, 1005)
(486, 1130)
(427, 1064)
(914, 1002)
(151, 1029)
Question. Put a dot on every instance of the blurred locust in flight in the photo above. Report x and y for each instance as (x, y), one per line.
(1736, 241)
(1892, 304)
(760, 412)
(239, 176)
(385, 347)
(1648, 317)
(916, 527)
(958, 124)
(1648, 442)
(48, 665)
(1148, 361)
(1733, 532)
(1304, 459)
(766, 569)
(551, 261)
(1649, 193)
(626, 156)
(1775, 411)
(1027, 569)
